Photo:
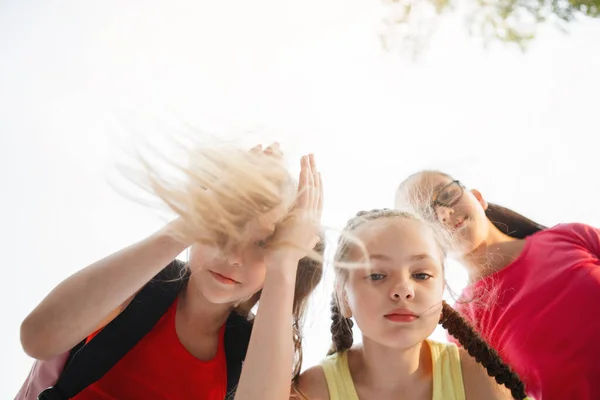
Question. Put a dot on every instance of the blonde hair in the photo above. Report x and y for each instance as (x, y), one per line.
(219, 189)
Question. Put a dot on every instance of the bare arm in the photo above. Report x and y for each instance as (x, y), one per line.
(94, 296)
(267, 371)
(478, 384)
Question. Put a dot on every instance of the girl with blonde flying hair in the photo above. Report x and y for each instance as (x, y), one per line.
(392, 286)
(531, 288)
(139, 324)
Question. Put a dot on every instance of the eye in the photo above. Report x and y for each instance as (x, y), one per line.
(262, 244)
(376, 277)
(422, 276)
(449, 195)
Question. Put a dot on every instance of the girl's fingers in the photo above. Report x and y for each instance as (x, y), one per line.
(320, 194)
(311, 179)
(256, 149)
(317, 183)
(303, 183)
(274, 150)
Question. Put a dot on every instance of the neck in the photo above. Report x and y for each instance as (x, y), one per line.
(496, 252)
(382, 367)
(196, 310)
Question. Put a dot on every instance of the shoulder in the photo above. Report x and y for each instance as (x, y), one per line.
(576, 233)
(478, 384)
(569, 229)
(312, 385)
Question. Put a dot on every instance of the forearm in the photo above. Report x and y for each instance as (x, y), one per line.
(267, 372)
(80, 303)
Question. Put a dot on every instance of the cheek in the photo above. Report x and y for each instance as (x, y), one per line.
(200, 255)
(430, 294)
(467, 205)
(363, 303)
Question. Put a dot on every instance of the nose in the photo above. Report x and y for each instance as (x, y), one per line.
(443, 214)
(233, 256)
(403, 290)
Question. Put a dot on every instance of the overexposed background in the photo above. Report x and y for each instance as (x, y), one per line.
(522, 128)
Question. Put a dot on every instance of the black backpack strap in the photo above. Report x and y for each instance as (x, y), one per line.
(237, 338)
(89, 362)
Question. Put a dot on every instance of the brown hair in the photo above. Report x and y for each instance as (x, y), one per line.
(451, 320)
(504, 219)
(310, 272)
(217, 191)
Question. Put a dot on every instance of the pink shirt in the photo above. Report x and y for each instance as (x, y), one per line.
(542, 313)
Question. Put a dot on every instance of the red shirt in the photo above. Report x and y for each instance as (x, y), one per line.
(160, 368)
(542, 313)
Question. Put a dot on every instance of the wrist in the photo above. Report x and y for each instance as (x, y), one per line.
(284, 265)
(174, 232)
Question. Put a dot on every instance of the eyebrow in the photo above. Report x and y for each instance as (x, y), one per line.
(379, 257)
(413, 258)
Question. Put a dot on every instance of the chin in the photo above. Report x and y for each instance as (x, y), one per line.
(218, 296)
(406, 342)
(403, 338)
(215, 298)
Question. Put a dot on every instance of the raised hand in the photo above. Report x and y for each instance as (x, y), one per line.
(298, 233)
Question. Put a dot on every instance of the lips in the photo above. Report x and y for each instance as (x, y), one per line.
(401, 315)
(223, 279)
(460, 223)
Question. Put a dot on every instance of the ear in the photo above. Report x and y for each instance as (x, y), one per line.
(480, 198)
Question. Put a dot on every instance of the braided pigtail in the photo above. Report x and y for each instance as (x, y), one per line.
(341, 329)
(458, 327)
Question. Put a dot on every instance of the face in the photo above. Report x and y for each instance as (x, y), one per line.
(236, 270)
(461, 211)
(397, 301)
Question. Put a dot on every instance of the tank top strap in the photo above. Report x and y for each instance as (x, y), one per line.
(337, 375)
(447, 372)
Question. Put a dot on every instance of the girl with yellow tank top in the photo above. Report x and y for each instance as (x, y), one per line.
(390, 279)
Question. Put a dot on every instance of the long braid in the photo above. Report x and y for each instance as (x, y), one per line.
(341, 329)
(458, 327)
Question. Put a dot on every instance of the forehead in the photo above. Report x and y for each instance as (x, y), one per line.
(432, 181)
(420, 188)
(396, 239)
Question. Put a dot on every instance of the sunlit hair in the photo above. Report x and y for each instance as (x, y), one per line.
(218, 189)
(417, 198)
(457, 326)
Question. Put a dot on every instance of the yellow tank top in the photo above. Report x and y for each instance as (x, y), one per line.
(447, 374)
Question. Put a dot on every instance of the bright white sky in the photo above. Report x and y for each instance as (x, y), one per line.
(521, 128)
